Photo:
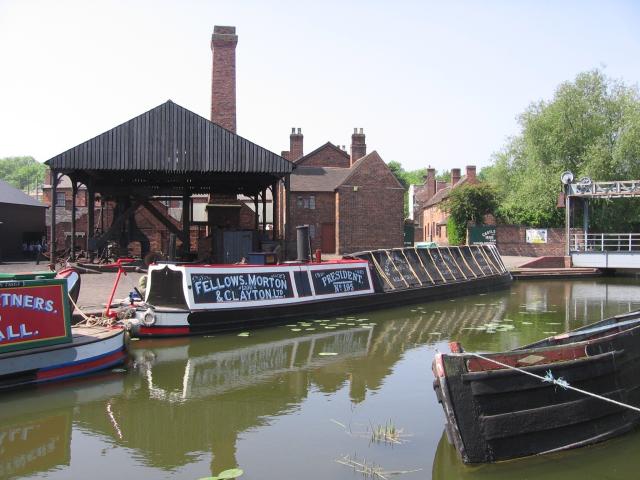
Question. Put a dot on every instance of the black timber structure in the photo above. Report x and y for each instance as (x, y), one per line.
(167, 151)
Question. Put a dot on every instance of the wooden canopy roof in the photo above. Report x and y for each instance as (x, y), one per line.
(168, 150)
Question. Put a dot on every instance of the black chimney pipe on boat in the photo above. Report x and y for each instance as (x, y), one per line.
(303, 243)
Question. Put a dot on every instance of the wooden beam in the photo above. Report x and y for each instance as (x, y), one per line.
(164, 220)
(117, 223)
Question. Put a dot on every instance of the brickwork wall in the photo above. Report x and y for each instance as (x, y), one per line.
(371, 208)
(327, 157)
(432, 231)
(511, 240)
(324, 212)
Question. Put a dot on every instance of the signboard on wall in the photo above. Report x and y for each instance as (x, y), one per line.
(482, 234)
(340, 280)
(240, 287)
(536, 235)
(33, 314)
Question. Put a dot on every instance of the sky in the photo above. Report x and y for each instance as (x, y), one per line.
(431, 83)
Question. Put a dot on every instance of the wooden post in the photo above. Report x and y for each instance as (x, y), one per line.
(276, 213)
(52, 243)
(91, 201)
(74, 193)
(285, 227)
(186, 223)
(256, 219)
(264, 212)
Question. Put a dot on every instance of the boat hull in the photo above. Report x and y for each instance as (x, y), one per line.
(92, 349)
(174, 322)
(495, 414)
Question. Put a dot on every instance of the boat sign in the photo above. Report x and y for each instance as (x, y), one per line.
(240, 286)
(34, 314)
(340, 280)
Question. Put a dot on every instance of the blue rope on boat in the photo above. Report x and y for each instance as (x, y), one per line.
(561, 382)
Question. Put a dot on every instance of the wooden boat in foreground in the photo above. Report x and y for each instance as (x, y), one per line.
(187, 299)
(37, 341)
(494, 412)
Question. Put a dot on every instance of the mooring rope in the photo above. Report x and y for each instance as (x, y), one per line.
(561, 382)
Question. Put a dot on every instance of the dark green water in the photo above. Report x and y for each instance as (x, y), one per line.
(271, 404)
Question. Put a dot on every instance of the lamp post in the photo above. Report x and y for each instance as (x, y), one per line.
(566, 178)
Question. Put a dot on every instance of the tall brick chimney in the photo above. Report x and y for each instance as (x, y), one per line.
(358, 147)
(223, 77)
(455, 176)
(430, 182)
(471, 174)
(296, 150)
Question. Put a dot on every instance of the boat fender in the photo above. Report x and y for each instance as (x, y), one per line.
(149, 317)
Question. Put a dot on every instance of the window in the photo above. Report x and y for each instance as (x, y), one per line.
(60, 199)
(309, 202)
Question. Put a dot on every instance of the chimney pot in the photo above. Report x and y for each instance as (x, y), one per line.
(361, 132)
(296, 149)
(455, 176)
(355, 130)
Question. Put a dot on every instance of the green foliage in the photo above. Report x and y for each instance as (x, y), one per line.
(591, 127)
(465, 204)
(413, 177)
(24, 173)
(456, 232)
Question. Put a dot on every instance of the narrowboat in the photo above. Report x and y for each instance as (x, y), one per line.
(187, 299)
(543, 397)
(37, 341)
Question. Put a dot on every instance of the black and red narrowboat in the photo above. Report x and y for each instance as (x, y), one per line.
(186, 299)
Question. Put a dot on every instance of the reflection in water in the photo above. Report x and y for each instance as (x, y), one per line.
(195, 401)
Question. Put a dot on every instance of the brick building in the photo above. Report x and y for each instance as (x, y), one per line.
(428, 198)
(350, 202)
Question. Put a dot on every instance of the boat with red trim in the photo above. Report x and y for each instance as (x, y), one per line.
(37, 341)
(562, 392)
(187, 299)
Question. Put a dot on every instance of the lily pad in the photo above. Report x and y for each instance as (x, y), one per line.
(327, 354)
(243, 334)
(309, 329)
(328, 327)
(295, 329)
(118, 370)
(231, 473)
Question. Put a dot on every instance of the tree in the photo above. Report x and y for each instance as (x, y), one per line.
(591, 126)
(468, 204)
(24, 173)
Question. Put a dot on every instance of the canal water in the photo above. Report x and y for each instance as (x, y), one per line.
(302, 400)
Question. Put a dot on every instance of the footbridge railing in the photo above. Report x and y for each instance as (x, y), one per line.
(605, 250)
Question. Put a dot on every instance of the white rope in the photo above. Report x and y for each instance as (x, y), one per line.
(548, 378)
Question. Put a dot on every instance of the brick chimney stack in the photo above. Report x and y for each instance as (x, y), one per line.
(471, 174)
(296, 145)
(358, 146)
(455, 176)
(440, 184)
(223, 83)
(430, 182)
